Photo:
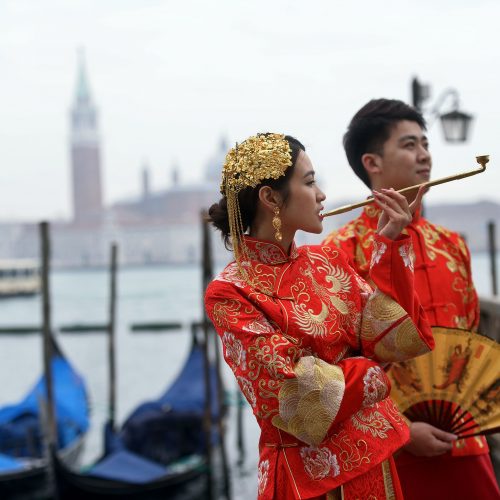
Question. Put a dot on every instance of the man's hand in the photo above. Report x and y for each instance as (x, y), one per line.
(428, 441)
(396, 212)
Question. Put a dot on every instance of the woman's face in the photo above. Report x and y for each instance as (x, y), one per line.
(304, 203)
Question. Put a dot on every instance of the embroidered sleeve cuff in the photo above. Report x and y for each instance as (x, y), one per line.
(322, 395)
(309, 403)
(387, 332)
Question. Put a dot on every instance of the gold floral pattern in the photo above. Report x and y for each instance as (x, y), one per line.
(373, 422)
(266, 354)
(351, 454)
(225, 313)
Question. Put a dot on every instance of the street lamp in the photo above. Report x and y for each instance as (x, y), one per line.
(455, 123)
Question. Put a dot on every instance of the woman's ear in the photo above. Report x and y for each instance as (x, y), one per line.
(269, 198)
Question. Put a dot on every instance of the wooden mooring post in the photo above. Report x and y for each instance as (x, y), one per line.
(50, 421)
(112, 336)
(211, 340)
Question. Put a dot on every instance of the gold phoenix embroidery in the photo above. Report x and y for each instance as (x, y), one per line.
(333, 297)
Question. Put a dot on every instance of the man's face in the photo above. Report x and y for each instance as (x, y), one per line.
(405, 159)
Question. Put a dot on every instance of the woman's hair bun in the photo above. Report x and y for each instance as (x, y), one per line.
(219, 218)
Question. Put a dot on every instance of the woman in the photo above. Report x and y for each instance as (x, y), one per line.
(304, 334)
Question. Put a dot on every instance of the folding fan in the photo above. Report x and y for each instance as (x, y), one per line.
(456, 387)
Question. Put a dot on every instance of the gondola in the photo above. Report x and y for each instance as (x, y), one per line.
(160, 451)
(24, 461)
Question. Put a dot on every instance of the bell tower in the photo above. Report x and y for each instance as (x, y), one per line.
(85, 153)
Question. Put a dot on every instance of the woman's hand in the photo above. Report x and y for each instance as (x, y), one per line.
(396, 212)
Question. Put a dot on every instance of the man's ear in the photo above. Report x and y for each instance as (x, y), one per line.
(269, 198)
(372, 164)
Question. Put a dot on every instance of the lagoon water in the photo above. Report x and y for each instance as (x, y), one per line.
(146, 362)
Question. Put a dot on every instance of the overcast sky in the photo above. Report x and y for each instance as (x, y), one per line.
(171, 77)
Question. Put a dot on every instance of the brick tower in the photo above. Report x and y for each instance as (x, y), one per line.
(85, 154)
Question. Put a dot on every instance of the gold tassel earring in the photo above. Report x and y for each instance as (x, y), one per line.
(277, 224)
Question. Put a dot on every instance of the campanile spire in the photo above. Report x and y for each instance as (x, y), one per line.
(85, 151)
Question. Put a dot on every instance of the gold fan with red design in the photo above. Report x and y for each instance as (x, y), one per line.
(456, 387)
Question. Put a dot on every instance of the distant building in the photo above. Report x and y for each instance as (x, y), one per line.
(177, 204)
(85, 154)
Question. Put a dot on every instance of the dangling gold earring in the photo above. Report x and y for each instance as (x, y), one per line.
(277, 224)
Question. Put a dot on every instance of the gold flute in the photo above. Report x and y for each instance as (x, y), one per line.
(482, 160)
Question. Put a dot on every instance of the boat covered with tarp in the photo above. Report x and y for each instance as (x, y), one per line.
(161, 449)
(24, 456)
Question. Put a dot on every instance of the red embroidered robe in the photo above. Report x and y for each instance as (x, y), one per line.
(305, 342)
(443, 281)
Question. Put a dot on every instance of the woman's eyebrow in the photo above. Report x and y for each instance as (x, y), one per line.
(311, 172)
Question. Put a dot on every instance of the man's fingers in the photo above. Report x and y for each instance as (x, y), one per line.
(440, 447)
(447, 437)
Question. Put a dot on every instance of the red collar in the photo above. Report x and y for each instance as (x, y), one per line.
(269, 253)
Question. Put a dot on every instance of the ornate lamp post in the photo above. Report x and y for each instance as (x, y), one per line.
(455, 124)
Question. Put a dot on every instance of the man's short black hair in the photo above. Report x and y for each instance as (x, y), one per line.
(370, 128)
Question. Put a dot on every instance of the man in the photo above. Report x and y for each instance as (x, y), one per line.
(386, 147)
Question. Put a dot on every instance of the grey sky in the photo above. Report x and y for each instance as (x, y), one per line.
(170, 78)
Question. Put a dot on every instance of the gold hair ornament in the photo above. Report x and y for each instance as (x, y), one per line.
(260, 157)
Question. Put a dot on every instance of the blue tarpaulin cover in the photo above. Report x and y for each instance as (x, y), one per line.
(126, 466)
(8, 464)
(21, 432)
(171, 427)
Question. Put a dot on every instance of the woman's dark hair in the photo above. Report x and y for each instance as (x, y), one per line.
(248, 197)
(370, 128)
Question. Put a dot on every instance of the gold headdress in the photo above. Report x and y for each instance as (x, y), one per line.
(260, 157)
